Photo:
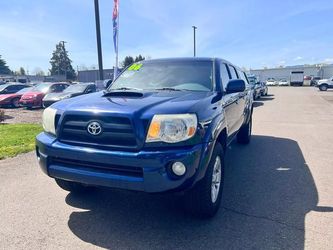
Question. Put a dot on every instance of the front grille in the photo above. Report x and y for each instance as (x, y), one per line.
(98, 167)
(117, 132)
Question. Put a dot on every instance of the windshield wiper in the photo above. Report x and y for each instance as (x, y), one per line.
(126, 88)
(171, 89)
(122, 88)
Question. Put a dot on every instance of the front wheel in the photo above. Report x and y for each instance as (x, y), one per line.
(71, 186)
(244, 133)
(15, 103)
(323, 87)
(205, 198)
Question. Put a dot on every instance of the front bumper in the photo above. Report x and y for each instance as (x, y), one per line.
(47, 103)
(154, 165)
(29, 103)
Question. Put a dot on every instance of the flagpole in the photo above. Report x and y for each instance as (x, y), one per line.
(115, 73)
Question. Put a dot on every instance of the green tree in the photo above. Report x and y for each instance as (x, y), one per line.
(139, 58)
(22, 71)
(127, 61)
(3, 67)
(60, 62)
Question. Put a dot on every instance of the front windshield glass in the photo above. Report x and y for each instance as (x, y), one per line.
(75, 88)
(181, 75)
(43, 87)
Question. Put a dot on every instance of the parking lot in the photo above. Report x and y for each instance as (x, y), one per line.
(23, 115)
(277, 193)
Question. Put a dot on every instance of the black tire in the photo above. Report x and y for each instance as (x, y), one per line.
(70, 186)
(323, 87)
(199, 200)
(15, 103)
(244, 133)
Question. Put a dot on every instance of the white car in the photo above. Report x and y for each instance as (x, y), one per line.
(325, 84)
(283, 82)
(271, 82)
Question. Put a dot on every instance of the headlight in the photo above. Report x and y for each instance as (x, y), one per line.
(172, 128)
(49, 119)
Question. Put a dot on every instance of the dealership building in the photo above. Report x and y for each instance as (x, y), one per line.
(323, 71)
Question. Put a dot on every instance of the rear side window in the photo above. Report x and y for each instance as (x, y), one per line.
(14, 88)
(233, 72)
(224, 73)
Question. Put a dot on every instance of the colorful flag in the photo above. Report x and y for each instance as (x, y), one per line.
(115, 24)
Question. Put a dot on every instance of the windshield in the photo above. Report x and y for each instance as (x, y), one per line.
(75, 88)
(185, 75)
(43, 87)
(2, 87)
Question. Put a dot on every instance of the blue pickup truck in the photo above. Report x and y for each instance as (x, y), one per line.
(162, 126)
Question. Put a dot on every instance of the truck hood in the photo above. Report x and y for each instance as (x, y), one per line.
(323, 80)
(138, 103)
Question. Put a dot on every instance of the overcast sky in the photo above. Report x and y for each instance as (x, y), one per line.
(253, 33)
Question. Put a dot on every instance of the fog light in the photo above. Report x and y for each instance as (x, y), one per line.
(178, 168)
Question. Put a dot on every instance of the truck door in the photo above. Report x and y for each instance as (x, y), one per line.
(229, 100)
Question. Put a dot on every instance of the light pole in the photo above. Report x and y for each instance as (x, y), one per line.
(194, 45)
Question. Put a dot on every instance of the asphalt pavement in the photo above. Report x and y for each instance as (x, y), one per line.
(278, 194)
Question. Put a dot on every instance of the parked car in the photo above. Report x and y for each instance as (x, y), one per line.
(255, 86)
(314, 80)
(107, 82)
(71, 91)
(263, 89)
(256, 90)
(283, 82)
(9, 94)
(271, 82)
(325, 84)
(33, 98)
(162, 126)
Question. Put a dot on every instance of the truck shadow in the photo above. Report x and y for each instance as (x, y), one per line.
(260, 102)
(268, 191)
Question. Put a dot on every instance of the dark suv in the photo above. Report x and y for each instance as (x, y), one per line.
(162, 126)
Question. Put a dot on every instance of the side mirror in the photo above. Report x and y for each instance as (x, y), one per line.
(235, 86)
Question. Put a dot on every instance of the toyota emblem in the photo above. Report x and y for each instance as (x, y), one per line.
(94, 128)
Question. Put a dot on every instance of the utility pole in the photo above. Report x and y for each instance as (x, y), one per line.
(99, 44)
(194, 45)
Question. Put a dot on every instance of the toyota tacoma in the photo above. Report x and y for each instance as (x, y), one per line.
(162, 126)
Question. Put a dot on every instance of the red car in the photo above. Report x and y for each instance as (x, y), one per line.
(10, 94)
(34, 97)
